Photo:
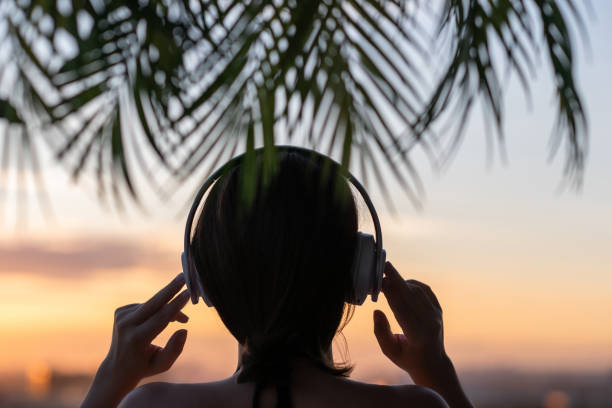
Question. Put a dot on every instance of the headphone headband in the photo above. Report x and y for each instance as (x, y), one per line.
(186, 258)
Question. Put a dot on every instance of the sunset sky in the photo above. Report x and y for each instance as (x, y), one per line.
(522, 269)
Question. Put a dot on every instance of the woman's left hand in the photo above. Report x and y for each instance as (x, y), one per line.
(132, 356)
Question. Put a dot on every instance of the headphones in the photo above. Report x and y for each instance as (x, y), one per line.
(369, 259)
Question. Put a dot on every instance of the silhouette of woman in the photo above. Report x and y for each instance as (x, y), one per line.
(276, 261)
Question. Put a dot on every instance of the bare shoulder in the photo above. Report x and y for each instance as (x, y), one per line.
(396, 395)
(227, 393)
(164, 394)
(147, 395)
(420, 396)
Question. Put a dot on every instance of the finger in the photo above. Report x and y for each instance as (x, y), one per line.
(407, 305)
(181, 318)
(160, 320)
(159, 299)
(393, 281)
(120, 312)
(127, 307)
(392, 273)
(419, 296)
(386, 339)
(397, 296)
(164, 358)
(397, 291)
(394, 286)
(428, 292)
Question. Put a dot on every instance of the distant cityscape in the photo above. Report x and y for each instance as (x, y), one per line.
(44, 387)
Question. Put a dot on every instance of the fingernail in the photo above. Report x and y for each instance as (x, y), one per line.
(184, 294)
(180, 278)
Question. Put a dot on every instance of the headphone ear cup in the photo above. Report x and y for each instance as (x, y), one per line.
(188, 274)
(363, 270)
(378, 277)
(192, 281)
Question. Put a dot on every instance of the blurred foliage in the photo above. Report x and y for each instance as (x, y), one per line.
(108, 85)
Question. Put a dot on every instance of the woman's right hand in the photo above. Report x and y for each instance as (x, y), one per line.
(419, 349)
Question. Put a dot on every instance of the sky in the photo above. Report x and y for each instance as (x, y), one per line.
(522, 269)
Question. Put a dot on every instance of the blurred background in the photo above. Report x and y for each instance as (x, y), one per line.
(522, 267)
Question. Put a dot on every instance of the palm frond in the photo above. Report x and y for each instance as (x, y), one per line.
(191, 83)
(518, 29)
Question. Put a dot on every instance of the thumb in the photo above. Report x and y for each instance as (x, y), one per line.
(165, 357)
(386, 339)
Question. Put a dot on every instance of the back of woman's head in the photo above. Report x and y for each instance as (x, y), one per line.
(277, 267)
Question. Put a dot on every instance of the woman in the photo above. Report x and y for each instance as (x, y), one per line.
(276, 263)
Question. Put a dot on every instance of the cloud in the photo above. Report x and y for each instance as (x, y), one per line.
(82, 258)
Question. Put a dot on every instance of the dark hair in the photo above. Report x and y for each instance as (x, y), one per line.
(277, 268)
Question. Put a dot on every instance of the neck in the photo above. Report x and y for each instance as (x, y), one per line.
(241, 349)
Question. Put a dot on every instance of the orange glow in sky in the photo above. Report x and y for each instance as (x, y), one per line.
(524, 273)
